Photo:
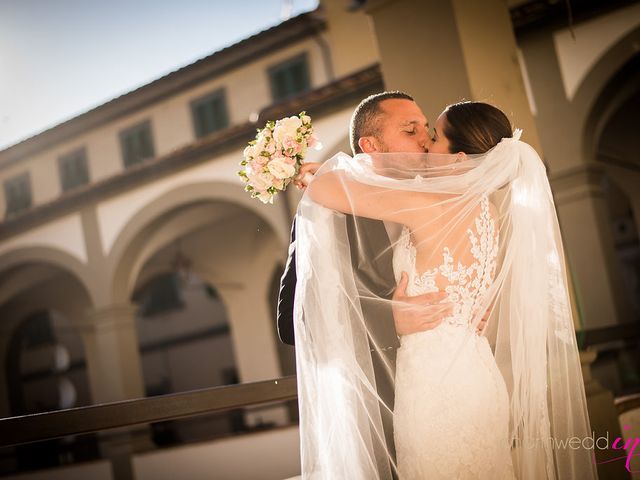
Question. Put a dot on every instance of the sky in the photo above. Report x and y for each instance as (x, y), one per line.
(60, 58)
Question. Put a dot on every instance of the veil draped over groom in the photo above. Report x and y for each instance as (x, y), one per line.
(530, 327)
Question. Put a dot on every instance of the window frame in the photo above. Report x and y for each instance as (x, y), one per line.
(134, 129)
(302, 57)
(218, 94)
(21, 177)
(80, 153)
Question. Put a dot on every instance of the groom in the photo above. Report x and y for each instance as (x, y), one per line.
(384, 122)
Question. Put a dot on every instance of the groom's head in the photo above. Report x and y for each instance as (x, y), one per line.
(389, 122)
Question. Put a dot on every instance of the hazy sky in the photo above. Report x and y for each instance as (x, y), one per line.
(59, 58)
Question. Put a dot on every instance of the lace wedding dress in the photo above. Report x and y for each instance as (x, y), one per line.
(451, 414)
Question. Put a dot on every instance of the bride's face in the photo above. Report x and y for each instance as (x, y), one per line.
(440, 154)
(439, 141)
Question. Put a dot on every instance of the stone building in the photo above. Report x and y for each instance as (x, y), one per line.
(133, 264)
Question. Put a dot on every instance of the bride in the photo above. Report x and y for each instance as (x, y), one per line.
(473, 219)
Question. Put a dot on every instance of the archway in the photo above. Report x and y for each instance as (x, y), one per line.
(44, 359)
(612, 127)
(199, 269)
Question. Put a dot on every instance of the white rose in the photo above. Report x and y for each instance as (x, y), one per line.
(249, 152)
(263, 135)
(279, 183)
(280, 169)
(287, 127)
(259, 146)
(265, 197)
(261, 181)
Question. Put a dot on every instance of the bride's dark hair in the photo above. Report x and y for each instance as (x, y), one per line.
(475, 127)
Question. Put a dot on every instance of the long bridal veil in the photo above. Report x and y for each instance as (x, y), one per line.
(345, 339)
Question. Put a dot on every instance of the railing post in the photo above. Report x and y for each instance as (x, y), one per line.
(119, 446)
(604, 421)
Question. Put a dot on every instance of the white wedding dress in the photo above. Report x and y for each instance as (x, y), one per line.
(451, 414)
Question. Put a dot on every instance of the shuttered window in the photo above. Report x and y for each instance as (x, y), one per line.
(17, 193)
(73, 169)
(136, 143)
(289, 78)
(210, 113)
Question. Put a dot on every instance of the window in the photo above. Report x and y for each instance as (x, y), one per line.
(38, 331)
(289, 78)
(17, 193)
(73, 169)
(160, 295)
(136, 143)
(210, 113)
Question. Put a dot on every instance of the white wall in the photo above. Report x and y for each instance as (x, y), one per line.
(270, 455)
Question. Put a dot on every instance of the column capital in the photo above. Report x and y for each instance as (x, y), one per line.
(111, 316)
(578, 182)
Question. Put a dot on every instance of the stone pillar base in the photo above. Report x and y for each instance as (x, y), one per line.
(604, 422)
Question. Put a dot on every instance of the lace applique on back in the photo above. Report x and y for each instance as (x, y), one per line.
(465, 283)
(445, 394)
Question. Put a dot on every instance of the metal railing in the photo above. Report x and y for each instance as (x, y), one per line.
(94, 418)
(81, 420)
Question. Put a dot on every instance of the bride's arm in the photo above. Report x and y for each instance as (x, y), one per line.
(337, 191)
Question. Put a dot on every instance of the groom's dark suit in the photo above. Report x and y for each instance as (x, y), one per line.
(374, 244)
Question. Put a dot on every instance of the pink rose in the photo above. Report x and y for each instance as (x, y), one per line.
(261, 181)
(291, 146)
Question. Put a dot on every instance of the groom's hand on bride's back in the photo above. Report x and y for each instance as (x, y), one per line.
(412, 314)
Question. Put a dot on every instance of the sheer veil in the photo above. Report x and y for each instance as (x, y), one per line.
(345, 341)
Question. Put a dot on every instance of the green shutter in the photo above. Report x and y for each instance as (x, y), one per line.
(289, 78)
(209, 113)
(137, 144)
(73, 169)
(17, 192)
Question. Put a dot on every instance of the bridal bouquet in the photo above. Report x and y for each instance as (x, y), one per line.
(273, 159)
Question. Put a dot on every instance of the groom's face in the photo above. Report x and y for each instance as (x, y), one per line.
(402, 127)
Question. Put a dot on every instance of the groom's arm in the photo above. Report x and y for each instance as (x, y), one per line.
(286, 295)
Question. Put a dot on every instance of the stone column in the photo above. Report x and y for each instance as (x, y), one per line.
(604, 422)
(115, 373)
(588, 239)
(436, 51)
(252, 332)
(490, 56)
(112, 355)
(420, 51)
